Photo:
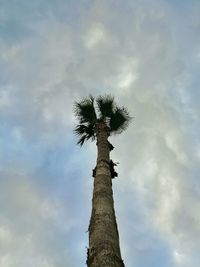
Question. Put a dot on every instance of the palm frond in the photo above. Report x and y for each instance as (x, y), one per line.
(86, 132)
(81, 140)
(80, 129)
(105, 105)
(84, 129)
(85, 111)
(116, 118)
(120, 120)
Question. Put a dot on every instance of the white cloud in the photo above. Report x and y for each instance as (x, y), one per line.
(135, 51)
(180, 259)
(5, 99)
(96, 35)
(31, 220)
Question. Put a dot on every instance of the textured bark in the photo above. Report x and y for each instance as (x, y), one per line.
(104, 250)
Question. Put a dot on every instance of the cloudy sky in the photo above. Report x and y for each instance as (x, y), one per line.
(147, 54)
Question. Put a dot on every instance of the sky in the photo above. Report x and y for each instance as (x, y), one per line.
(145, 53)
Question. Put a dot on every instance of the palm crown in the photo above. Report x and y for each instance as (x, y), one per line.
(116, 118)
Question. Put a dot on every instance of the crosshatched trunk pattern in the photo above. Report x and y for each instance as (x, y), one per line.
(104, 249)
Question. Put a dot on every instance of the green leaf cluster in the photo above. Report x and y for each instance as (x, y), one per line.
(117, 118)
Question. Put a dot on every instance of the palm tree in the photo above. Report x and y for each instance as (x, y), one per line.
(98, 124)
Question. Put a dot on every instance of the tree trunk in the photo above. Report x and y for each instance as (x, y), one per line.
(104, 250)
